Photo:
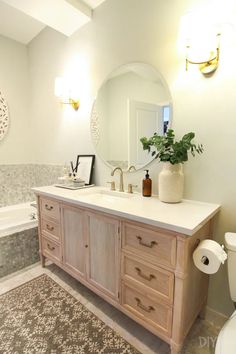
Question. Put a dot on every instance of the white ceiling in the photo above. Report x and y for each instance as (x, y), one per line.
(22, 20)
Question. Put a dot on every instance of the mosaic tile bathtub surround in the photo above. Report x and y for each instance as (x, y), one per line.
(18, 251)
(16, 181)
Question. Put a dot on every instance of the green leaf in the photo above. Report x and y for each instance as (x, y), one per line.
(167, 149)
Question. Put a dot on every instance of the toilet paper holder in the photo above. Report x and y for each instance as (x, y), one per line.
(204, 259)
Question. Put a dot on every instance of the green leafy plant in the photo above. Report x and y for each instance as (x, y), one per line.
(169, 150)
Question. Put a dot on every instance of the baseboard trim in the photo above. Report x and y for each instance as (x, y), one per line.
(216, 318)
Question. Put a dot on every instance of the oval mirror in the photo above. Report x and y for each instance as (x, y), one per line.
(4, 116)
(134, 101)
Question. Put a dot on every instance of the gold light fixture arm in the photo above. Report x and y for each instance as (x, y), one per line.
(74, 103)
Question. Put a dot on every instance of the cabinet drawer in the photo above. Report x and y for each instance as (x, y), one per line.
(156, 279)
(158, 246)
(51, 229)
(50, 208)
(149, 310)
(51, 249)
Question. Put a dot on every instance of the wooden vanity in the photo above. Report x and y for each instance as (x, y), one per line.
(142, 269)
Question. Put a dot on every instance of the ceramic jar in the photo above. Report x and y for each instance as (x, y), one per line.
(171, 183)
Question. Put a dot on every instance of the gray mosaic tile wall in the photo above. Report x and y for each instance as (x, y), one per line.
(18, 251)
(16, 181)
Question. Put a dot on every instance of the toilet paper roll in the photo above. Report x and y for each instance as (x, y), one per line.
(208, 256)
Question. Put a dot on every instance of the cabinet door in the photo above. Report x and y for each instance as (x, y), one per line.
(103, 253)
(73, 240)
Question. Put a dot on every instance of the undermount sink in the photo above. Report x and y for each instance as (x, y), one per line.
(106, 194)
(115, 194)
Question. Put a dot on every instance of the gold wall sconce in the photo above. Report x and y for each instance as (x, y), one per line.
(208, 66)
(75, 104)
(63, 90)
(199, 35)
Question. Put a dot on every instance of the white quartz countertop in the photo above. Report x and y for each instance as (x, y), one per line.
(185, 217)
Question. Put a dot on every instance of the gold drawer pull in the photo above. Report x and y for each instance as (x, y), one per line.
(144, 276)
(50, 247)
(143, 307)
(48, 207)
(50, 228)
(152, 243)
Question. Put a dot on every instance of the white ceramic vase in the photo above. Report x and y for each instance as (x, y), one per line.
(171, 183)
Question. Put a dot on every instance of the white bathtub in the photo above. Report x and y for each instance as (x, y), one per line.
(17, 218)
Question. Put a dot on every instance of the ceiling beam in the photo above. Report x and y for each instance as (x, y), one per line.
(65, 16)
(81, 6)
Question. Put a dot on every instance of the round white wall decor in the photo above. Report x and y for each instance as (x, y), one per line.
(4, 116)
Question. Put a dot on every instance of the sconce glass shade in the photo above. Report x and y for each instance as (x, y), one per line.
(209, 64)
(63, 91)
(199, 36)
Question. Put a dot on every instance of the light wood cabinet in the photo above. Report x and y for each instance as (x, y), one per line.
(73, 240)
(147, 308)
(145, 271)
(158, 245)
(51, 229)
(103, 248)
(141, 273)
(50, 208)
(51, 249)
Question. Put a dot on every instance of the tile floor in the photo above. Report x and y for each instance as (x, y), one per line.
(201, 339)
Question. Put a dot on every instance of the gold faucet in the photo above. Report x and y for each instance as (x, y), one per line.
(121, 189)
(131, 168)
